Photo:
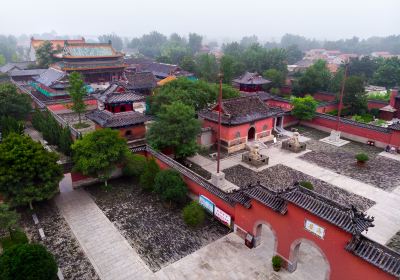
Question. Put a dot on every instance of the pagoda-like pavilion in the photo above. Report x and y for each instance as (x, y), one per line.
(97, 62)
(116, 110)
(250, 82)
(243, 119)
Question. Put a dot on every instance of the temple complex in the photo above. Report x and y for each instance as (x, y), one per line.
(243, 119)
(119, 108)
(250, 82)
(97, 62)
(57, 45)
(141, 82)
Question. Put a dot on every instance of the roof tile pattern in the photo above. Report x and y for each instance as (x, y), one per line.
(116, 120)
(88, 50)
(249, 78)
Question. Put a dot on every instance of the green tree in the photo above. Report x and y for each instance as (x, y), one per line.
(355, 97)
(28, 262)
(364, 67)
(115, 40)
(170, 186)
(10, 125)
(276, 77)
(77, 91)
(2, 60)
(188, 64)
(193, 214)
(12, 103)
(304, 107)
(45, 54)
(207, 67)
(8, 46)
(175, 127)
(197, 94)
(293, 54)
(247, 41)
(65, 141)
(8, 218)
(149, 174)
(195, 41)
(336, 81)
(316, 77)
(27, 171)
(135, 165)
(151, 44)
(230, 68)
(98, 153)
(388, 73)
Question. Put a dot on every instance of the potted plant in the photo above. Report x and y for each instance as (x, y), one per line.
(362, 159)
(276, 263)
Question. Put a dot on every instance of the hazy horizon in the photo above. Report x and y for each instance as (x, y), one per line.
(222, 20)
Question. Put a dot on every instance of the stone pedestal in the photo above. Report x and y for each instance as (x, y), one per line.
(218, 179)
(256, 162)
(334, 139)
(293, 144)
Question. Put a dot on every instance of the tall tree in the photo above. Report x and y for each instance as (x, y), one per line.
(2, 60)
(8, 46)
(175, 127)
(77, 91)
(98, 153)
(195, 42)
(388, 73)
(207, 67)
(12, 103)
(247, 41)
(170, 186)
(151, 44)
(116, 41)
(293, 54)
(231, 68)
(355, 97)
(45, 54)
(304, 107)
(317, 77)
(27, 171)
(276, 77)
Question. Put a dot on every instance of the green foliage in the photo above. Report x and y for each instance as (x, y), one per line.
(193, 214)
(388, 73)
(170, 186)
(2, 60)
(307, 185)
(175, 127)
(188, 64)
(116, 41)
(8, 47)
(10, 125)
(195, 41)
(277, 262)
(374, 112)
(379, 96)
(77, 91)
(148, 176)
(13, 104)
(304, 107)
(316, 77)
(27, 171)
(198, 94)
(207, 67)
(362, 157)
(293, 54)
(276, 77)
(134, 165)
(44, 54)
(8, 218)
(230, 68)
(27, 262)
(355, 97)
(98, 153)
(65, 141)
(364, 118)
(16, 237)
(364, 67)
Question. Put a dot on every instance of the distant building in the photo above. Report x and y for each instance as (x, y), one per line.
(250, 82)
(23, 65)
(57, 45)
(119, 108)
(97, 62)
(142, 82)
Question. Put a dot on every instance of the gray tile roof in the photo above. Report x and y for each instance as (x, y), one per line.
(28, 72)
(23, 65)
(241, 110)
(50, 76)
(117, 93)
(105, 118)
(376, 254)
(251, 79)
(141, 80)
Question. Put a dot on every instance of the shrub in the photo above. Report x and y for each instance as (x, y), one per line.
(276, 262)
(17, 237)
(362, 157)
(374, 112)
(149, 174)
(170, 186)
(307, 185)
(193, 214)
(134, 166)
(27, 261)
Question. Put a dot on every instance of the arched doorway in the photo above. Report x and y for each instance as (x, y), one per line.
(308, 261)
(251, 134)
(265, 237)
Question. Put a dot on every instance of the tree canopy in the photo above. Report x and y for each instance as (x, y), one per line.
(12, 103)
(27, 261)
(77, 91)
(27, 171)
(355, 97)
(170, 186)
(316, 77)
(8, 218)
(177, 128)
(198, 94)
(116, 41)
(45, 54)
(304, 107)
(98, 153)
(388, 73)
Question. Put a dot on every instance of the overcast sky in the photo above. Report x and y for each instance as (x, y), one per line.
(223, 19)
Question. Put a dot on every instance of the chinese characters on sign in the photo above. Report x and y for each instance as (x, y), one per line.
(222, 216)
(206, 203)
(314, 228)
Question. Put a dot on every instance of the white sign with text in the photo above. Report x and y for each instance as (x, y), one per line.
(314, 228)
(222, 216)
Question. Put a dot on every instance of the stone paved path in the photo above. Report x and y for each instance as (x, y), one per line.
(108, 251)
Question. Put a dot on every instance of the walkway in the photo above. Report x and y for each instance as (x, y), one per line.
(110, 254)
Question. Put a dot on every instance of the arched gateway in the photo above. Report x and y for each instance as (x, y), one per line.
(298, 216)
